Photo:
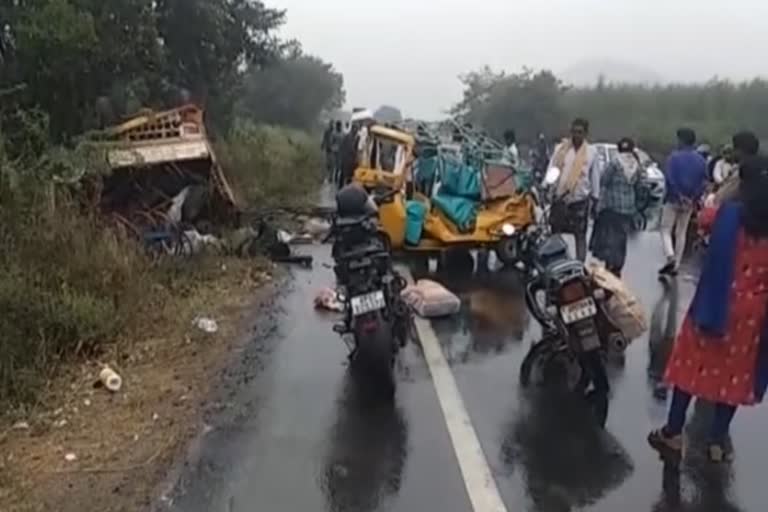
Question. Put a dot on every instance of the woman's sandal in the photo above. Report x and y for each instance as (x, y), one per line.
(670, 448)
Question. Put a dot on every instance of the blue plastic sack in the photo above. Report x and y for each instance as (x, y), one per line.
(415, 213)
(459, 210)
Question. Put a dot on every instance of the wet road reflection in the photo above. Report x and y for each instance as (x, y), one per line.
(368, 446)
(564, 468)
(311, 442)
(492, 319)
(551, 461)
(661, 337)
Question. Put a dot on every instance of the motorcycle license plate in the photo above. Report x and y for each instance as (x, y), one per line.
(363, 304)
(576, 311)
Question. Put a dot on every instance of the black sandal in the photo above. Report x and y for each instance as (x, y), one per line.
(670, 448)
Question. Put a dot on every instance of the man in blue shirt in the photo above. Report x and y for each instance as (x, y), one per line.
(686, 178)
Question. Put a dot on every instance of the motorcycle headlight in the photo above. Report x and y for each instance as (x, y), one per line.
(508, 229)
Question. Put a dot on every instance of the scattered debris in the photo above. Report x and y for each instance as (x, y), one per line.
(61, 423)
(265, 240)
(329, 299)
(431, 299)
(20, 425)
(304, 239)
(197, 243)
(317, 228)
(284, 237)
(110, 379)
(175, 212)
(207, 325)
(70, 457)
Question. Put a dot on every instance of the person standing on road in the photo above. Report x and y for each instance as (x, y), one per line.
(348, 154)
(617, 207)
(745, 146)
(705, 151)
(578, 187)
(327, 147)
(512, 153)
(721, 353)
(336, 139)
(686, 179)
(540, 156)
(722, 166)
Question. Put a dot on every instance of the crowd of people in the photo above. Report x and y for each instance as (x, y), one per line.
(343, 142)
(721, 352)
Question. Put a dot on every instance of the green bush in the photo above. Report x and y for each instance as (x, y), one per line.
(69, 284)
(271, 166)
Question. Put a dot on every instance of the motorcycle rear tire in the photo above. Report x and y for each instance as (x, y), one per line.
(540, 355)
(374, 360)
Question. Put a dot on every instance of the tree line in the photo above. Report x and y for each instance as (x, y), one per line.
(532, 102)
(85, 64)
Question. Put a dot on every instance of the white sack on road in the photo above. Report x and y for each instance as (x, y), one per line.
(430, 299)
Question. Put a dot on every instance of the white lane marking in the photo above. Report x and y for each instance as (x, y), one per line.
(478, 479)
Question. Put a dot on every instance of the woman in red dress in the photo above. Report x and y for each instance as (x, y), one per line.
(721, 353)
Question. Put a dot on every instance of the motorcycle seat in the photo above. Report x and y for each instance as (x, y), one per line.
(552, 250)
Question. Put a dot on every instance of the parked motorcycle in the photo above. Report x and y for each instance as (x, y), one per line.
(577, 334)
(376, 322)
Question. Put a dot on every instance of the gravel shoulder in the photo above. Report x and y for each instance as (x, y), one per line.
(83, 448)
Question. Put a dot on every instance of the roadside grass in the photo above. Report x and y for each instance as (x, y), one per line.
(271, 167)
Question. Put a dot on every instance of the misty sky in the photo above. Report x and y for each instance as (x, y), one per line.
(409, 52)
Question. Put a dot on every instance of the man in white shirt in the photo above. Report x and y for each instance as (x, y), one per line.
(724, 166)
(510, 139)
(578, 188)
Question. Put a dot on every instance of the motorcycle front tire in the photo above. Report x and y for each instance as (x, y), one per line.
(507, 251)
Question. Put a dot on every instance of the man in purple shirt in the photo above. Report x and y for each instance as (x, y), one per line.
(686, 178)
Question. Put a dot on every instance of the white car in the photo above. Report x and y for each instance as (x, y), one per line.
(607, 152)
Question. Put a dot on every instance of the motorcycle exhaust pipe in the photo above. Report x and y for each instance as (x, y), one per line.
(617, 343)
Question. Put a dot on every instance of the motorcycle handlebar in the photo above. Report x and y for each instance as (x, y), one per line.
(381, 198)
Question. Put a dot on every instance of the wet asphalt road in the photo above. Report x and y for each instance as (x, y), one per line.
(303, 439)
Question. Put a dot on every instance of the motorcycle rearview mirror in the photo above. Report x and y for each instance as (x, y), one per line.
(552, 175)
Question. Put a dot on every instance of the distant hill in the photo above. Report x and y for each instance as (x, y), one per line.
(587, 73)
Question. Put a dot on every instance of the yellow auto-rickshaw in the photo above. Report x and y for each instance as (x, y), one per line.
(423, 222)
